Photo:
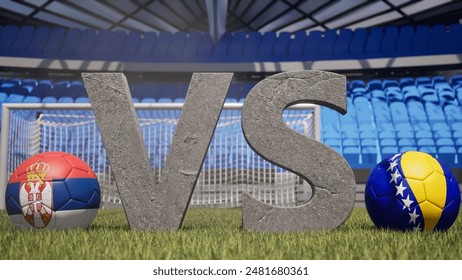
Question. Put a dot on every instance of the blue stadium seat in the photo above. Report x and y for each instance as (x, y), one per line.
(38, 43)
(29, 82)
(59, 89)
(437, 39)
(416, 112)
(373, 42)
(363, 110)
(354, 84)
(118, 41)
(76, 90)
(65, 99)
(131, 46)
(350, 142)
(22, 90)
(265, 49)
(331, 133)
(70, 43)
(101, 46)
(191, 46)
(333, 142)
(32, 99)
(423, 134)
(220, 49)
(425, 142)
(349, 132)
(368, 142)
(251, 46)
(326, 45)
(378, 96)
(425, 87)
(82, 100)
(388, 142)
(392, 90)
(86, 44)
(281, 47)
(435, 113)
(459, 143)
(388, 151)
(54, 42)
(204, 52)
(49, 99)
(405, 39)
(341, 46)
(369, 157)
(406, 142)
(443, 142)
(456, 126)
(398, 112)
(310, 50)
(352, 155)
(368, 134)
(454, 38)
(390, 38)
(8, 37)
(236, 46)
(404, 130)
(23, 40)
(14, 81)
(358, 42)
(146, 46)
(374, 85)
(421, 42)
(177, 43)
(8, 87)
(381, 111)
(296, 45)
(440, 126)
(453, 114)
(411, 93)
(367, 126)
(162, 46)
(42, 89)
(448, 155)
(406, 81)
(424, 126)
(15, 98)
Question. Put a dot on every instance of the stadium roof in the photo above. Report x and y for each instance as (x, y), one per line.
(234, 15)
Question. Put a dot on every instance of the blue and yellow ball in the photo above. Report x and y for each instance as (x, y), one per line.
(412, 191)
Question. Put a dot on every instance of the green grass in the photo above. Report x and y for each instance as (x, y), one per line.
(218, 234)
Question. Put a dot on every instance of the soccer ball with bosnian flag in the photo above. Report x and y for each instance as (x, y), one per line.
(412, 191)
(53, 190)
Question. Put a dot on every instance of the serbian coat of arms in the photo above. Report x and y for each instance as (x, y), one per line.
(36, 196)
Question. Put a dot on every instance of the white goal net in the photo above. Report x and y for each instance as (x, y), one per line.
(229, 169)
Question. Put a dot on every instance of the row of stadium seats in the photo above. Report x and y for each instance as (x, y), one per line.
(384, 116)
(361, 43)
(438, 90)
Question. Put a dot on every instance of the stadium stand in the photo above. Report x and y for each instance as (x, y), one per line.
(384, 116)
(93, 44)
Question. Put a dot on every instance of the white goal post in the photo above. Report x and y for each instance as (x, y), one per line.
(230, 167)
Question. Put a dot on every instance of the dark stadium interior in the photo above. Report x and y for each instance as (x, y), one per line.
(402, 60)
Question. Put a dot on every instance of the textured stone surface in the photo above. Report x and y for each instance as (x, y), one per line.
(147, 205)
(194, 131)
(328, 173)
(118, 124)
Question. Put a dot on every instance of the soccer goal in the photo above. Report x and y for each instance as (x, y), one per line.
(230, 167)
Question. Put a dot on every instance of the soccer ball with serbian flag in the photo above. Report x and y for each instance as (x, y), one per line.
(53, 190)
(412, 191)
